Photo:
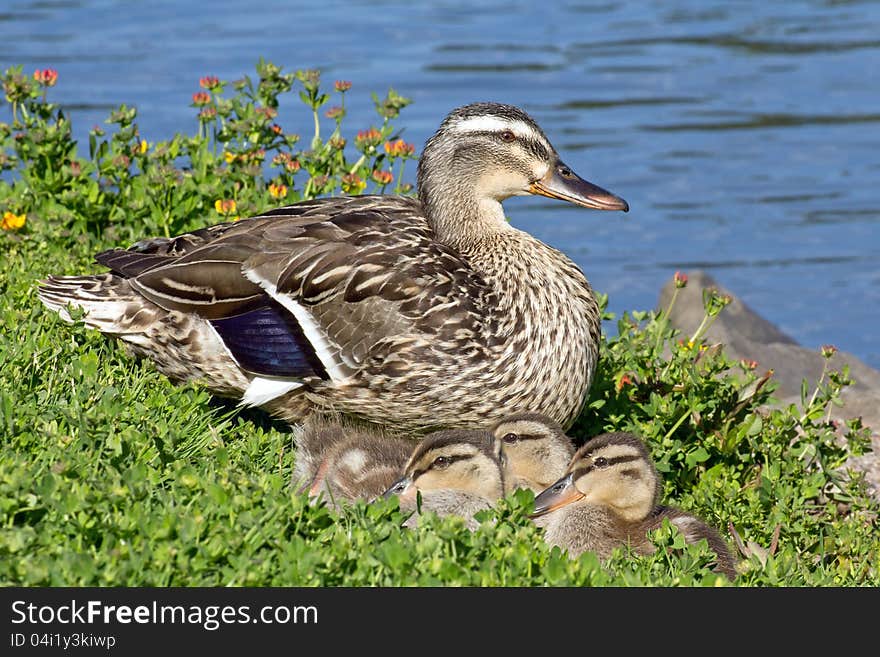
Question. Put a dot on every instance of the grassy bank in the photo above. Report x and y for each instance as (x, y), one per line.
(111, 475)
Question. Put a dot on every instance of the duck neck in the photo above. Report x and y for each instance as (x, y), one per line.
(460, 217)
(466, 224)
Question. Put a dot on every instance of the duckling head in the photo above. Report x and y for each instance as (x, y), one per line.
(453, 460)
(483, 153)
(612, 470)
(535, 449)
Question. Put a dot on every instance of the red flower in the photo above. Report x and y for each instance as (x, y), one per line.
(382, 177)
(828, 350)
(201, 98)
(342, 85)
(335, 113)
(370, 137)
(681, 280)
(285, 160)
(47, 77)
(209, 82)
(319, 182)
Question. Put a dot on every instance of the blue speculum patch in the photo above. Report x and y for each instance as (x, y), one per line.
(269, 341)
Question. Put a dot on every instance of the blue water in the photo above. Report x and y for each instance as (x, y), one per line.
(745, 135)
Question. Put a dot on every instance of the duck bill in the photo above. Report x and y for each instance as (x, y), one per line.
(401, 488)
(558, 495)
(564, 184)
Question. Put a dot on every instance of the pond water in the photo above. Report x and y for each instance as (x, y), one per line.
(745, 135)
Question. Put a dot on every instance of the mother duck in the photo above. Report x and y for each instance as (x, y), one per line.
(402, 312)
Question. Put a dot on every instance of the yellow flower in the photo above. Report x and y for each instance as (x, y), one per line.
(225, 206)
(399, 148)
(143, 146)
(12, 221)
(277, 190)
(352, 184)
(229, 157)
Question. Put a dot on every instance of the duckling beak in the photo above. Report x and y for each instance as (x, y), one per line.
(562, 183)
(558, 495)
(401, 488)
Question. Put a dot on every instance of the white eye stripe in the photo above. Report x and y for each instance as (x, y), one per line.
(497, 124)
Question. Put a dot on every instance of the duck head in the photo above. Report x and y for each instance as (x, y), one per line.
(452, 459)
(534, 447)
(613, 470)
(483, 153)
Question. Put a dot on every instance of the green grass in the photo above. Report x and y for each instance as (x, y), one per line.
(111, 475)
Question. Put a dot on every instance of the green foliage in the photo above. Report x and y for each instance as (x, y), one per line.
(111, 475)
(240, 161)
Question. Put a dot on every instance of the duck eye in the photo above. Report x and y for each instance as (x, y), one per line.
(441, 462)
(565, 172)
(510, 438)
(600, 462)
(507, 136)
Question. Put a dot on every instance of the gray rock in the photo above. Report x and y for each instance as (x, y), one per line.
(746, 335)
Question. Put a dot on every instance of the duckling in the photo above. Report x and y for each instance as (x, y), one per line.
(608, 497)
(344, 463)
(456, 472)
(535, 448)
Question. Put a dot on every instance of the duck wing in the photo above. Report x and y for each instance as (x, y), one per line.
(309, 290)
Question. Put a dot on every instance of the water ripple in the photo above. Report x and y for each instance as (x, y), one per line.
(790, 198)
(496, 47)
(760, 121)
(751, 264)
(861, 216)
(736, 42)
(493, 68)
(628, 102)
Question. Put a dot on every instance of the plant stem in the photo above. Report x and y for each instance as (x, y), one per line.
(809, 405)
(677, 424)
(664, 321)
(707, 322)
(317, 138)
(400, 177)
(357, 165)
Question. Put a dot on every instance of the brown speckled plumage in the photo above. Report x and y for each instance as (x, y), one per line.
(413, 313)
(340, 463)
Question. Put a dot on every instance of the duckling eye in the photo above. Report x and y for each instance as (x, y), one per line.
(510, 438)
(441, 462)
(600, 462)
(507, 136)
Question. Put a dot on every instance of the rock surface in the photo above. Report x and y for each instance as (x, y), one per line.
(746, 335)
